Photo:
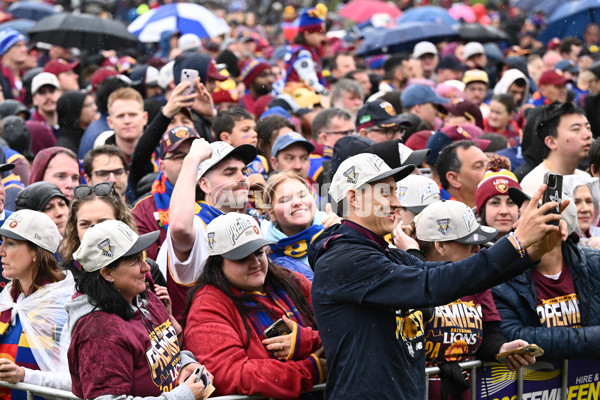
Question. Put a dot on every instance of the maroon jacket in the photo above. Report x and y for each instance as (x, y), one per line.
(145, 215)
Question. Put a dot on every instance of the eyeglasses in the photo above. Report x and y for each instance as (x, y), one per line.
(101, 189)
(345, 133)
(105, 173)
(388, 133)
(176, 157)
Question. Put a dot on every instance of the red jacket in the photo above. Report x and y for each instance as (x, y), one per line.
(215, 333)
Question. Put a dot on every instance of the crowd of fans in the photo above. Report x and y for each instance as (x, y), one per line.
(379, 214)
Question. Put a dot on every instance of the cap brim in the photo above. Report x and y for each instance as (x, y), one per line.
(246, 249)
(417, 157)
(518, 196)
(6, 167)
(246, 152)
(397, 120)
(398, 173)
(482, 143)
(482, 235)
(12, 235)
(142, 243)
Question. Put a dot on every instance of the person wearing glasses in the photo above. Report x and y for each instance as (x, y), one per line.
(329, 126)
(108, 163)
(377, 120)
(33, 333)
(123, 344)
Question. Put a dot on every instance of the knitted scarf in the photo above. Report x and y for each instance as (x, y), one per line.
(161, 192)
(262, 319)
(297, 245)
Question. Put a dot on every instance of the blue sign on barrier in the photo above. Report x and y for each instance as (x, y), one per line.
(541, 381)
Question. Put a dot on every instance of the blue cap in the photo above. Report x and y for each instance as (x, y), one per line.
(289, 139)
(566, 66)
(420, 94)
(277, 110)
(8, 38)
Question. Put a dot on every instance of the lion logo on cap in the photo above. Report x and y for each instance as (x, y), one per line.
(443, 226)
(402, 192)
(211, 240)
(501, 185)
(351, 175)
(182, 133)
(388, 108)
(106, 248)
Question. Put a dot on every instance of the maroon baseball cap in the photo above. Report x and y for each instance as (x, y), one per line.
(467, 109)
(175, 137)
(552, 77)
(59, 65)
(100, 75)
(213, 72)
(463, 132)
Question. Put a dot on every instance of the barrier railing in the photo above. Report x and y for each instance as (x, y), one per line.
(468, 365)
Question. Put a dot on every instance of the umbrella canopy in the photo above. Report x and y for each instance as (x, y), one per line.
(362, 10)
(31, 10)
(427, 14)
(183, 17)
(84, 31)
(547, 6)
(404, 37)
(463, 11)
(20, 25)
(480, 33)
(570, 19)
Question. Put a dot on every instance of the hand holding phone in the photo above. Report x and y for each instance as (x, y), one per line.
(532, 349)
(277, 328)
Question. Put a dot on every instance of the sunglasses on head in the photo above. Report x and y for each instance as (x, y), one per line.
(101, 189)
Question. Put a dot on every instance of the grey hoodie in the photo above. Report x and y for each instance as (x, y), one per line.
(508, 78)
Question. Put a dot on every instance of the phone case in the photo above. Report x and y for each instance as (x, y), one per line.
(531, 349)
(553, 192)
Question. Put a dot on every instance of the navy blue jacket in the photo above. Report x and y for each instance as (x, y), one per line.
(366, 298)
(516, 301)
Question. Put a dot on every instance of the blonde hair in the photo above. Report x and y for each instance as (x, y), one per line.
(274, 181)
(125, 94)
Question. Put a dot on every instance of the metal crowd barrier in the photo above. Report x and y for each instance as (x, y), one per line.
(468, 365)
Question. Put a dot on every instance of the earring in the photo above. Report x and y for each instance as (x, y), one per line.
(34, 258)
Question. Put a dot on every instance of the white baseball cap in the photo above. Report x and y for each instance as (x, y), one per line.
(423, 48)
(32, 226)
(234, 236)
(417, 192)
(165, 75)
(361, 169)
(471, 49)
(445, 221)
(109, 241)
(221, 151)
(43, 78)
(189, 41)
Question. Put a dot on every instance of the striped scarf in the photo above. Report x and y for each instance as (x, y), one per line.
(261, 319)
(162, 190)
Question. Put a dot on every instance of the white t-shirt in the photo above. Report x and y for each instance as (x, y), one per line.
(534, 179)
(184, 272)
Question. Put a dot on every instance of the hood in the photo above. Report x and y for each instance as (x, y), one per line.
(508, 79)
(69, 108)
(16, 134)
(78, 307)
(41, 161)
(532, 145)
(13, 107)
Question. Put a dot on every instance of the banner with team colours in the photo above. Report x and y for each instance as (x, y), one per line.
(541, 381)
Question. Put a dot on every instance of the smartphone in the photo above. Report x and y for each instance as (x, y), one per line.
(531, 349)
(189, 75)
(277, 328)
(553, 192)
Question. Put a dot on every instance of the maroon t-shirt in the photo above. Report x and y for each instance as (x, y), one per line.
(557, 304)
(456, 330)
(111, 356)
